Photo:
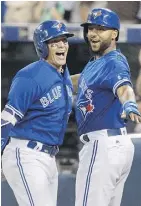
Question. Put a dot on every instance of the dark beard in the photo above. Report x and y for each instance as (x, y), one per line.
(103, 47)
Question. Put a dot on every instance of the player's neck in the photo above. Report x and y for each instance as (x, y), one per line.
(109, 49)
(112, 47)
(58, 68)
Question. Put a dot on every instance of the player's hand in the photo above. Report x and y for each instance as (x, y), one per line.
(131, 112)
(133, 117)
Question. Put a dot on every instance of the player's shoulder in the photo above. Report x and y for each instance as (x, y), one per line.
(116, 58)
(29, 71)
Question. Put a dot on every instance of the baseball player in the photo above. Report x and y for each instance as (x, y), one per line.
(35, 118)
(105, 98)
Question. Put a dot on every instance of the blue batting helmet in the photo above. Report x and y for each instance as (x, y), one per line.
(102, 17)
(46, 31)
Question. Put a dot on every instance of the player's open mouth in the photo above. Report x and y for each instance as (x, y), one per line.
(60, 54)
(94, 41)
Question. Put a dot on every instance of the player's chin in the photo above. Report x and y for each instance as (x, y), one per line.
(95, 48)
(61, 62)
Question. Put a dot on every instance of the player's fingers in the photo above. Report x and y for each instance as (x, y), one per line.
(132, 116)
(139, 119)
(136, 118)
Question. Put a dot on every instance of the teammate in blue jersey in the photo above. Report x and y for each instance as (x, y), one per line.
(105, 99)
(35, 118)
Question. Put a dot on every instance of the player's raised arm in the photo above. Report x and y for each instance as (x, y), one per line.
(74, 79)
(127, 98)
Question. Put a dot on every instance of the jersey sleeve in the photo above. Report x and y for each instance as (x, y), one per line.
(23, 92)
(119, 75)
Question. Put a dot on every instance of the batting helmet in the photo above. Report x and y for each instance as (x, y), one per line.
(46, 31)
(102, 17)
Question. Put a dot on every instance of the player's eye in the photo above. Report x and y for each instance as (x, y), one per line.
(97, 28)
(64, 40)
(101, 28)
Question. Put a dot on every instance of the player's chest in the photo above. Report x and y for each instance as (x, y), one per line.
(93, 74)
(88, 81)
(58, 96)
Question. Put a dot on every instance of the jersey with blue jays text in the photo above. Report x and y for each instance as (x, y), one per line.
(42, 98)
(97, 105)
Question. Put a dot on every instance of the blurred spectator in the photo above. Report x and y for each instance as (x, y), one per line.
(127, 10)
(23, 11)
(52, 10)
(3, 10)
(82, 8)
(75, 17)
(68, 8)
(138, 92)
(139, 13)
(87, 6)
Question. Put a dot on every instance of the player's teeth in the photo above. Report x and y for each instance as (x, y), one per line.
(60, 54)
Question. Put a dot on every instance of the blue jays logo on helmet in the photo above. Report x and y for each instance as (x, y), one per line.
(103, 17)
(86, 107)
(46, 31)
(96, 14)
(58, 26)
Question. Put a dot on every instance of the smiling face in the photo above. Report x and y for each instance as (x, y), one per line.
(58, 49)
(101, 39)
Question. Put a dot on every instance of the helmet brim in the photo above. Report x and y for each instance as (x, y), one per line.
(102, 25)
(84, 24)
(69, 35)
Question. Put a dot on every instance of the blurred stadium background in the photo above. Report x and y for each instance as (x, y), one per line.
(18, 20)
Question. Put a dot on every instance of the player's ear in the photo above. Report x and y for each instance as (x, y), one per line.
(114, 34)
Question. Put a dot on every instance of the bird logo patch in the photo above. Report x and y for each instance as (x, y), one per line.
(58, 26)
(96, 14)
(86, 107)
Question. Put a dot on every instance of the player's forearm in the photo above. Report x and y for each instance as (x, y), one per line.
(5, 130)
(125, 93)
(138, 86)
(130, 109)
(74, 79)
(8, 120)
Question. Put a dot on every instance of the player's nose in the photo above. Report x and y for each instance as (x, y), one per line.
(92, 32)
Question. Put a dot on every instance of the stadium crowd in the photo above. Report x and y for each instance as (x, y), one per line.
(68, 11)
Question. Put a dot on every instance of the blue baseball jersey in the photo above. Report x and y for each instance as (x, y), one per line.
(42, 99)
(97, 104)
